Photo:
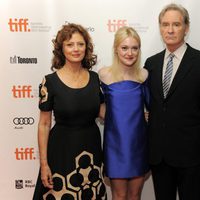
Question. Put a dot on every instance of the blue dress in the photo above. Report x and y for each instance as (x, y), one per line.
(125, 137)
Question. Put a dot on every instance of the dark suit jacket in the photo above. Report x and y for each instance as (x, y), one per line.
(174, 122)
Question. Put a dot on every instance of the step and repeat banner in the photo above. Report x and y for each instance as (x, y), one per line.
(26, 32)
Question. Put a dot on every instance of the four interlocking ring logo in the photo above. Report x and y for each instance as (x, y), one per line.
(23, 120)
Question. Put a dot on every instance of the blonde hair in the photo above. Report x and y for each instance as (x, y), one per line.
(121, 34)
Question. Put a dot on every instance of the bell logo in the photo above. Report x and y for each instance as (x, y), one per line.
(23, 91)
(25, 154)
(114, 25)
(18, 25)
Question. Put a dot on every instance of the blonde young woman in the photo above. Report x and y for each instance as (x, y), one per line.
(125, 139)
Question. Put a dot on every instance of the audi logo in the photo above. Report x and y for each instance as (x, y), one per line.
(23, 120)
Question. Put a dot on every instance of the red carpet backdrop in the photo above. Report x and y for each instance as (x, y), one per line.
(26, 31)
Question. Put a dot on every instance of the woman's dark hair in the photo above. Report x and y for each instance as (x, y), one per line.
(66, 33)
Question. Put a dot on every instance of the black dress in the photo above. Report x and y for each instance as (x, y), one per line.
(74, 147)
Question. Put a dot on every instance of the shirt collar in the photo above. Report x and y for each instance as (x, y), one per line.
(178, 53)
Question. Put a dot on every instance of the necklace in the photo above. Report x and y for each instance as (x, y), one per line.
(74, 78)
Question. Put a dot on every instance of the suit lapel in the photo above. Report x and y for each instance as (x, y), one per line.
(158, 73)
(185, 66)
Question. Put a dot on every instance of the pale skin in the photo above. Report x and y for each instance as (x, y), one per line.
(127, 55)
(73, 75)
(127, 51)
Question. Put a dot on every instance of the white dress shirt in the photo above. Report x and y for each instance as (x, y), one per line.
(178, 55)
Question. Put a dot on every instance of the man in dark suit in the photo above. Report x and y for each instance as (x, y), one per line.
(174, 117)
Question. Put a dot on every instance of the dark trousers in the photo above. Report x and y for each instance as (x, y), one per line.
(169, 180)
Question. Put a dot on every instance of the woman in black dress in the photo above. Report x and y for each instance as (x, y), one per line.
(70, 152)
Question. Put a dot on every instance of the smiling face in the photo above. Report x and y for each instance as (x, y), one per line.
(173, 29)
(128, 51)
(74, 48)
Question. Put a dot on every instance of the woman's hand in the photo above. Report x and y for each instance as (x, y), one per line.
(46, 176)
(146, 116)
(102, 111)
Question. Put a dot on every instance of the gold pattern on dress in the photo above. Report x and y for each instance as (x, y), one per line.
(59, 194)
(43, 92)
(84, 183)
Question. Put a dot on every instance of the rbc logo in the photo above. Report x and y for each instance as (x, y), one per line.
(18, 184)
(18, 25)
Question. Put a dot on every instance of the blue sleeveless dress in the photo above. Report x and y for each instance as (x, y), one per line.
(125, 137)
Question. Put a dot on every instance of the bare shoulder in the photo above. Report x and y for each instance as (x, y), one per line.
(104, 74)
(103, 71)
(144, 74)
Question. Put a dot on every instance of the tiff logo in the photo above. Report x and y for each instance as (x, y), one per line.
(25, 154)
(23, 91)
(18, 25)
(114, 25)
